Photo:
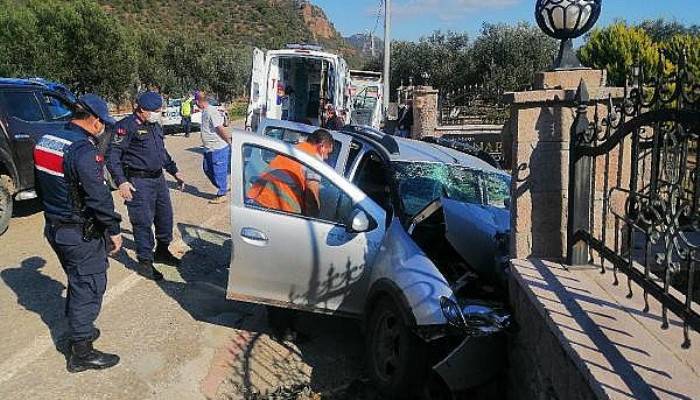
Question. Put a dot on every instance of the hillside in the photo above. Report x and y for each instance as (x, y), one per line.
(363, 44)
(262, 23)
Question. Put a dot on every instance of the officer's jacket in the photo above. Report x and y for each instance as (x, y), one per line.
(70, 179)
(137, 146)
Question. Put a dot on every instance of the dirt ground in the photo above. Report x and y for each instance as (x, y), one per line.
(180, 339)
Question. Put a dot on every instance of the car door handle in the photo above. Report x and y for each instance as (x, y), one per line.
(254, 236)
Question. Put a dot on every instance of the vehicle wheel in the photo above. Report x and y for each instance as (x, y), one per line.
(6, 202)
(396, 357)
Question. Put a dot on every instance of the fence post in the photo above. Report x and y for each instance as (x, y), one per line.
(580, 182)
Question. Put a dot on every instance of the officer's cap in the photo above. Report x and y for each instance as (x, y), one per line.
(96, 106)
(150, 101)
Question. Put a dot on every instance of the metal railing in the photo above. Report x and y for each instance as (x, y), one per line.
(634, 203)
(472, 105)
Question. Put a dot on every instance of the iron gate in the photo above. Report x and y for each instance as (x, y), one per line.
(634, 187)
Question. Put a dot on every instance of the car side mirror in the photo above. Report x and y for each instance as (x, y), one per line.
(359, 221)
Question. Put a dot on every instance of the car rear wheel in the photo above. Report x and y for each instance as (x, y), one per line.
(396, 357)
(6, 203)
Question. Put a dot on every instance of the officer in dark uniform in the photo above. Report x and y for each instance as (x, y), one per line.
(80, 222)
(136, 159)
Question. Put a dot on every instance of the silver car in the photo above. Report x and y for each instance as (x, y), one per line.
(411, 239)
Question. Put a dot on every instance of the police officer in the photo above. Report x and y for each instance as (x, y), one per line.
(80, 220)
(136, 159)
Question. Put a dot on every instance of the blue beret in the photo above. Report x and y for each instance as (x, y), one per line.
(150, 101)
(96, 105)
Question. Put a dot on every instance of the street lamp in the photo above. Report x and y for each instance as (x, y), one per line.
(566, 20)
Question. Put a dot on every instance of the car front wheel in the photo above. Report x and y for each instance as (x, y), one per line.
(397, 358)
(6, 203)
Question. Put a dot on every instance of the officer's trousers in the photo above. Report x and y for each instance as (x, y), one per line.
(150, 206)
(85, 264)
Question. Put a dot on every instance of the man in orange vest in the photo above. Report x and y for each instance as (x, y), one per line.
(289, 186)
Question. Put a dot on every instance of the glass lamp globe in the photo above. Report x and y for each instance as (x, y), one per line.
(566, 20)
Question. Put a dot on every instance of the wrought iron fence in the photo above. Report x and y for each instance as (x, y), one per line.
(475, 104)
(635, 188)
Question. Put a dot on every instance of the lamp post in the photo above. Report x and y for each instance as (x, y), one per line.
(566, 20)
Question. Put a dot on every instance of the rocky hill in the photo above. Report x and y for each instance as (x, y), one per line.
(363, 44)
(262, 23)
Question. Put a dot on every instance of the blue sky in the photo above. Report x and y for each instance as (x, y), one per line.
(415, 18)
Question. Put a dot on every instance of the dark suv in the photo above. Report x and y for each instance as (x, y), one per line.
(28, 109)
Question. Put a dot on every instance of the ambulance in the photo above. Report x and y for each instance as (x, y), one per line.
(296, 83)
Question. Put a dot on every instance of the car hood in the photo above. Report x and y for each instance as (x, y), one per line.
(476, 231)
(473, 231)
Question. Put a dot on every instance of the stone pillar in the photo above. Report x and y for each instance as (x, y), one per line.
(540, 125)
(425, 112)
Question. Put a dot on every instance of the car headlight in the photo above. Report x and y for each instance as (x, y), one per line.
(452, 312)
(475, 318)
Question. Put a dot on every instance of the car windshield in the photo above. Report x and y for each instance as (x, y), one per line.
(420, 183)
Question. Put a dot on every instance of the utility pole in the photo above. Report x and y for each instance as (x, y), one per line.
(387, 55)
(372, 39)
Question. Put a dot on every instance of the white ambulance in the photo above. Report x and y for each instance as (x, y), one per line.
(295, 83)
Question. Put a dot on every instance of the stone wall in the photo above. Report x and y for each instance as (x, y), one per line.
(425, 112)
(539, 368)
(540, 127)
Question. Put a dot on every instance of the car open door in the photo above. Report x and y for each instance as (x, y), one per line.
(293, 260)
(258, 90)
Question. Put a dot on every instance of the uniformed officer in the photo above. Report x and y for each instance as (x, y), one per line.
(80, 219)
(136, 159)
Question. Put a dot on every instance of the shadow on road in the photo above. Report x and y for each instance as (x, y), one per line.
(330, 356)
(40, 294)
(193, 190)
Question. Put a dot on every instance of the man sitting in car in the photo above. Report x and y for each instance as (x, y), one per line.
(287, 185)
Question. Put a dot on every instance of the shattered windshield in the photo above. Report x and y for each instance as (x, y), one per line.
(421, 183)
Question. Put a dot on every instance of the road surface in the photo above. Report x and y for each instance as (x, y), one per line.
(180, 339)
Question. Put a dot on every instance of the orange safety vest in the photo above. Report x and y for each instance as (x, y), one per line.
(283, 185)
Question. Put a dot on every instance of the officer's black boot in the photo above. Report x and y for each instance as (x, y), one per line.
(164, 256)
(83, 357)
(147, 270)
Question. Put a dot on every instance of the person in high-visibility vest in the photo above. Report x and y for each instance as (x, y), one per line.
(186, 114)
(287, 185)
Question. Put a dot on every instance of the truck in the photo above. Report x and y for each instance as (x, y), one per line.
(295, 84)
(367, 91)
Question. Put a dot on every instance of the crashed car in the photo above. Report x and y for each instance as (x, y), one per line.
(411, 239)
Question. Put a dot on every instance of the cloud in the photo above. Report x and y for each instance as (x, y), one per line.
(445, 10)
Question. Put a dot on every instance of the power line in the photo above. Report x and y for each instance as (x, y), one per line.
(380, 6)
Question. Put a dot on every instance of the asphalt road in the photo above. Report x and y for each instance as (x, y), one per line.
(180, 339)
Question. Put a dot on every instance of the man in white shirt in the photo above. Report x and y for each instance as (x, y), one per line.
(217, 147)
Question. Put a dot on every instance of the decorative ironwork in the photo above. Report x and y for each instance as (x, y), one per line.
(641, 156)
(566, 20)
(472, 105)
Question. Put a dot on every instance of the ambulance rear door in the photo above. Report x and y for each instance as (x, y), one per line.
(258, 90)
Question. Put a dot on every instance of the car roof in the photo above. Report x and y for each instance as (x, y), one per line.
(409, 150)
(21, 82)
(296, 126)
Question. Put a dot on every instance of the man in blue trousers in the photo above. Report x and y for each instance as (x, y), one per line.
(217, 147)
(136, 159)
(81, 224)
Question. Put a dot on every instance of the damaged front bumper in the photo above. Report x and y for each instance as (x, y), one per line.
(482, 352)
